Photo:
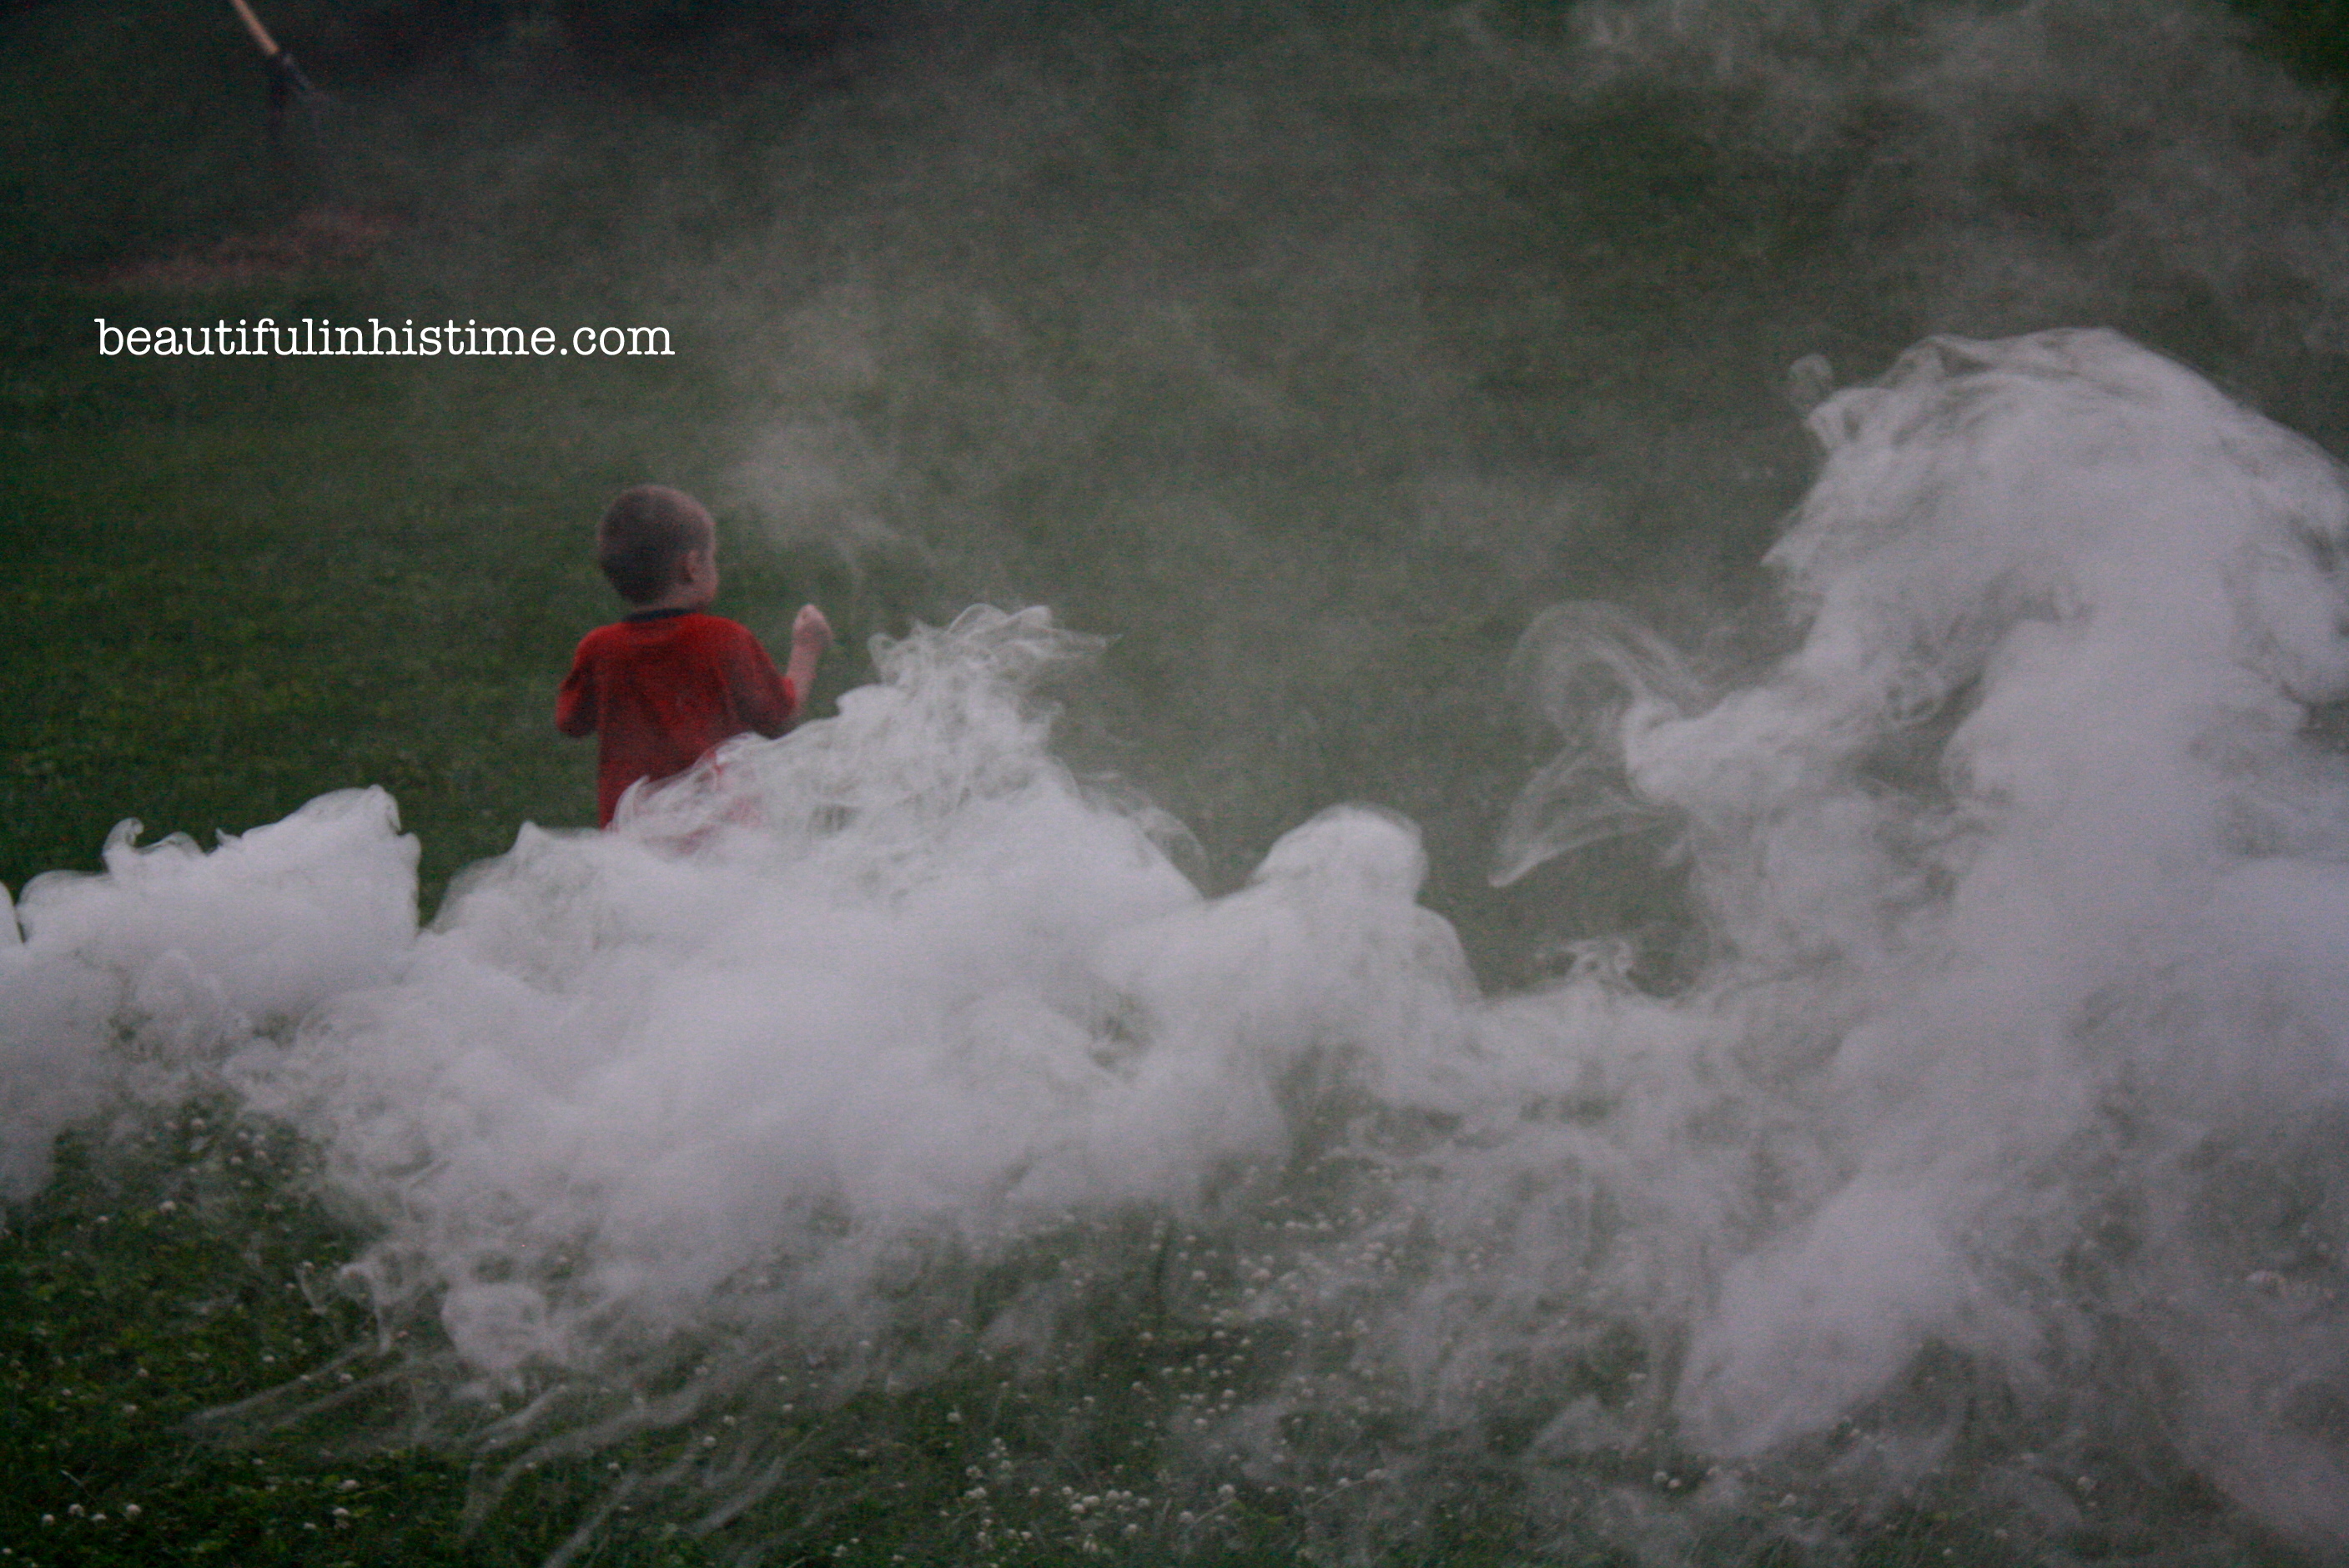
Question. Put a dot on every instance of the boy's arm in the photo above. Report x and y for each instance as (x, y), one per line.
(574, 704)
(811, 636)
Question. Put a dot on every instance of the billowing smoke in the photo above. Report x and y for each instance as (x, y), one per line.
(2023, 863)
(886, 1067)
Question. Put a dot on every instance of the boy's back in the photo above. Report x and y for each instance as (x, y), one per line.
(664, 686)
(669, 683)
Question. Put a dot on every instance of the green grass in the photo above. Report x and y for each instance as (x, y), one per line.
(183, 1380)
(231, 587)
(237, 585)
(232, 591)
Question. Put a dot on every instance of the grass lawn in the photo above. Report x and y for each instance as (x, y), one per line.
(231, 585)
(231, 589)
(237, 585)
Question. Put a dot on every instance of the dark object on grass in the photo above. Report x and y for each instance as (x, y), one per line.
(286, 81)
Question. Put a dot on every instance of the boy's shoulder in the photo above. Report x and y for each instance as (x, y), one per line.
(679, 628)
(643, 624)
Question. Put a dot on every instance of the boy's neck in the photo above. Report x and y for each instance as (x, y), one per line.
(681, 598)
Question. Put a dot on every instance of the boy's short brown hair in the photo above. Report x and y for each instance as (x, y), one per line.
(643, 536)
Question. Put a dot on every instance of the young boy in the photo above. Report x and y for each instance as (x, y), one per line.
(667, 683)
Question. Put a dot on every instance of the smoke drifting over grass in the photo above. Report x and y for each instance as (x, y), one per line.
(2058, 1020)
(894, 1088)
(1364, 337)
(880, 1063)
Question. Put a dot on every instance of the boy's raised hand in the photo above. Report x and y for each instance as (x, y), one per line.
(811, 635)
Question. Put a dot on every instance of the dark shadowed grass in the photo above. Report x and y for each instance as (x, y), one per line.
(176, 1267)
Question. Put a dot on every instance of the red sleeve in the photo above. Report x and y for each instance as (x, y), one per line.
(574, 704)
(761, 695)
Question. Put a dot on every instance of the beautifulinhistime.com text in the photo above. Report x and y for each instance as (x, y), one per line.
(320, 335)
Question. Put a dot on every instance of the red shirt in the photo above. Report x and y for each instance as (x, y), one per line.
(661, 689)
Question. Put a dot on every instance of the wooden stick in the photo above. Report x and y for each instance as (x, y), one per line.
(269, 49)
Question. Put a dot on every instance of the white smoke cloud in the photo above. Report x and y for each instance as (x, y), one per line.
(2017, 1084)
(2031, 966)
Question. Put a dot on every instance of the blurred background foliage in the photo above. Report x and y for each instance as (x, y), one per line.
(139, 124)
(143, 124)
